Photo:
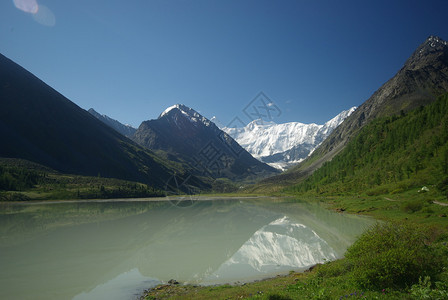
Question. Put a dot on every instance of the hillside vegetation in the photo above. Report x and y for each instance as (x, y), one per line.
(389, 156)
(21, 180)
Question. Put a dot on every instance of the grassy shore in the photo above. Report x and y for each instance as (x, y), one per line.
(308, 285)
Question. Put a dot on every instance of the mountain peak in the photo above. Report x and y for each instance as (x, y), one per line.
(433, 52)
(180, 110)
(432, 44)
(185, 135)
(434, 40)
(178, 106)
(423, 77)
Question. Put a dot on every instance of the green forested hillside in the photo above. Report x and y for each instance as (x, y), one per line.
(390, 155)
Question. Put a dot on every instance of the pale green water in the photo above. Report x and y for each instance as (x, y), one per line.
(114, 250)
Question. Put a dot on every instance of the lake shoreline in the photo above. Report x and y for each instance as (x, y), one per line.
(147, 199)
(176, 290)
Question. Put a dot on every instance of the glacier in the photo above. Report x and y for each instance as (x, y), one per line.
(284, 145)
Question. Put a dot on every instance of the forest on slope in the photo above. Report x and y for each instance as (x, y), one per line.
(389, 155)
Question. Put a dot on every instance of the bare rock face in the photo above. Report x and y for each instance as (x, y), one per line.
(419, 82)
(423, 77)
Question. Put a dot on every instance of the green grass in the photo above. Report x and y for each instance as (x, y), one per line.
(408, 206)
(329, 281)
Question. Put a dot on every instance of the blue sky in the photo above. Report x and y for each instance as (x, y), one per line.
(132, 59)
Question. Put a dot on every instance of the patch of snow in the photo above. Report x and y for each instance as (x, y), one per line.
(285, 165)
(218, 123)
(192, 115)
(436, 40)
(168, 110)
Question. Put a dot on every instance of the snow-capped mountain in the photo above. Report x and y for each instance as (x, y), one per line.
(283, 145)
(185, 135)
(189, 113)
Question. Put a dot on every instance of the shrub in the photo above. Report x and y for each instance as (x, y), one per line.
(412, 206)
(392, 255)
(332, 269)
(380, 190)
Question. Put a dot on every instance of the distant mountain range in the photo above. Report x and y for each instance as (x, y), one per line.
(284, 145)
(419, 82)
(279, 145)
(182, 134)
(126, 130)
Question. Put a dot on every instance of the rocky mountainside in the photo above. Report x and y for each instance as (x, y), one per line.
(38, 124)
(126, 130)
(284, 145)
(188, 136)
(423, 77)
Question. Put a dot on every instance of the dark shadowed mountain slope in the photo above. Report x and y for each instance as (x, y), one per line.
(184, 133)
(40, 125)
(125, 130)
(423, 77)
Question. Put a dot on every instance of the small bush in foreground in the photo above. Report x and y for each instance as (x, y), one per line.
(393, 255)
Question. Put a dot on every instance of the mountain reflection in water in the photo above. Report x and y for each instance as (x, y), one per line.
(89, 250)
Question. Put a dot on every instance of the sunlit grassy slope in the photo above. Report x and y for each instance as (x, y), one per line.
(389, 156)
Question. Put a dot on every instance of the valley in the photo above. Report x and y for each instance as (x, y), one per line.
(385, 160)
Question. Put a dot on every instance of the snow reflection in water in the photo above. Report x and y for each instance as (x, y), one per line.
(282, 245)
(106, 250)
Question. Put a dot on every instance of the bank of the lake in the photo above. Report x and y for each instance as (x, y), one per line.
(308, 285)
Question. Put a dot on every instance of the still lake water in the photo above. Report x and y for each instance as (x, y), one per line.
(116, 249)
